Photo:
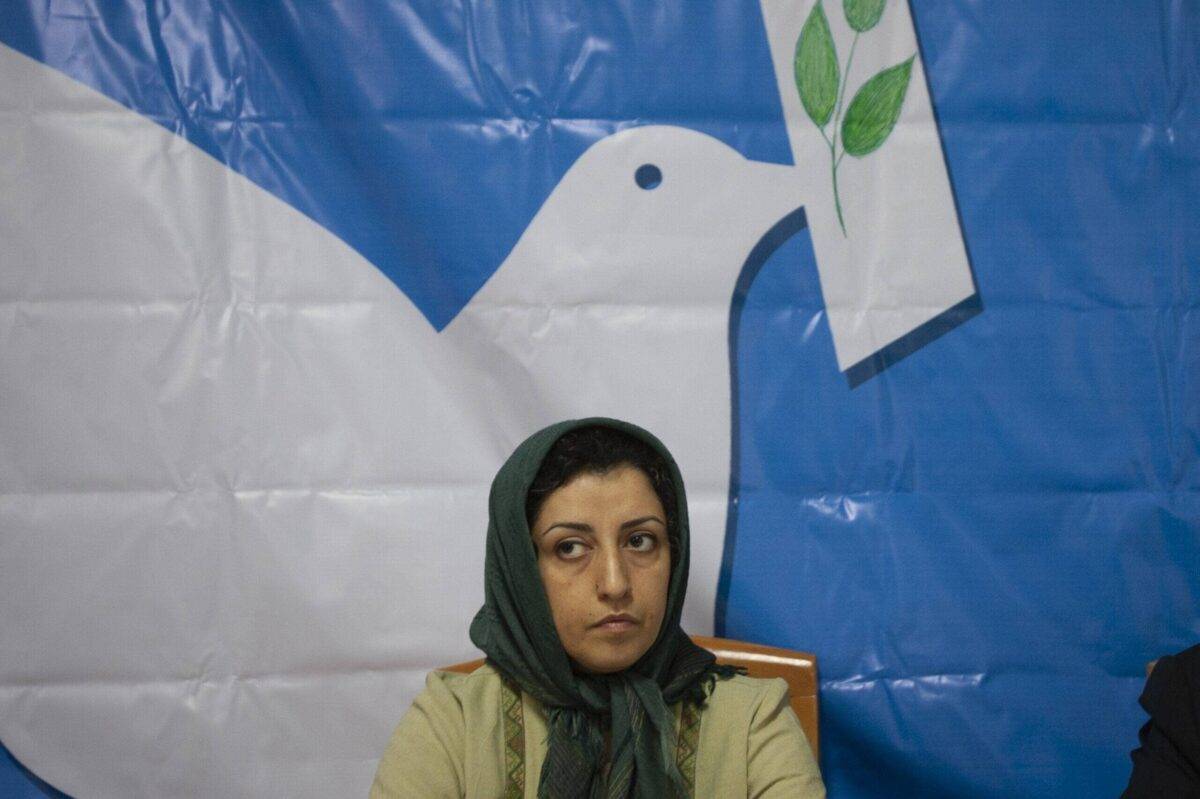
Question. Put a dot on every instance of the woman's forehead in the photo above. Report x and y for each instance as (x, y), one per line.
(623, 488)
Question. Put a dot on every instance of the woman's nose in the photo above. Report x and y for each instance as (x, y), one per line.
(613, 580)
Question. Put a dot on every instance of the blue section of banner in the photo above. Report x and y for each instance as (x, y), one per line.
(986, 543)
(425, 137)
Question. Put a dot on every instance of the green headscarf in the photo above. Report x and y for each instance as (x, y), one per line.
(516, 630)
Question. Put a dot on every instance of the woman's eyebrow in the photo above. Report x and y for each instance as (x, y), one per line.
(580, 526)
(642, 520)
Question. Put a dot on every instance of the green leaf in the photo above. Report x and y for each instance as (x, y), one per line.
(863, 14)
(873, 111)
(816, 67)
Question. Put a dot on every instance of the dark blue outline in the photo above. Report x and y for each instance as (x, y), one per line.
(771, 241)
(36, 783)
(914, 340)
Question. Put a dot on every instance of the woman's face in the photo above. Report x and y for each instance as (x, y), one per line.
(605, 562)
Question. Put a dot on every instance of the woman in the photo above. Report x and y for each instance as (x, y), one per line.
(591, 688)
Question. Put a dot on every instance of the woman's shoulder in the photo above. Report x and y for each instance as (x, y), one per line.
(750, 722)
(430, 751)
(741, 702)
(467, 689)
(747, 692)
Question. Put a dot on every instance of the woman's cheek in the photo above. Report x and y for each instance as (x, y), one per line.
(568, 606)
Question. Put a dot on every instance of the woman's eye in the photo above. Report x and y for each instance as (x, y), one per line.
(642, 542)
(568, 549)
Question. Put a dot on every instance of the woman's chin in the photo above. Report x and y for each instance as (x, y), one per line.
(607, 662)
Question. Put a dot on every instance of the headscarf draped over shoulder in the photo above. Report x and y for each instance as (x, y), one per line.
(515, 629)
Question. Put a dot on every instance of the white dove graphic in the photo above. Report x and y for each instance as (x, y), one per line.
(242, 480)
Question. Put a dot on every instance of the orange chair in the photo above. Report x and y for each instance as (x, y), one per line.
(798, 669)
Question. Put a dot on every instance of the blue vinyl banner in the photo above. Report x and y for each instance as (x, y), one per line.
(912, 295)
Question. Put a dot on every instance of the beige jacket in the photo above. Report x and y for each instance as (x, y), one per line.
(452, 742)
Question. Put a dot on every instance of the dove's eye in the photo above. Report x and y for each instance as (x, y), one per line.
(648, 176)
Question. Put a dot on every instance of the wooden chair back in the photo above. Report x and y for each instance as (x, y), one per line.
(798, 669)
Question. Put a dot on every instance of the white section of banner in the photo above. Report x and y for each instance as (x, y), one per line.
(902, 260)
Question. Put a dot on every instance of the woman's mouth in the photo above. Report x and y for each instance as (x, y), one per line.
(618, 622)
